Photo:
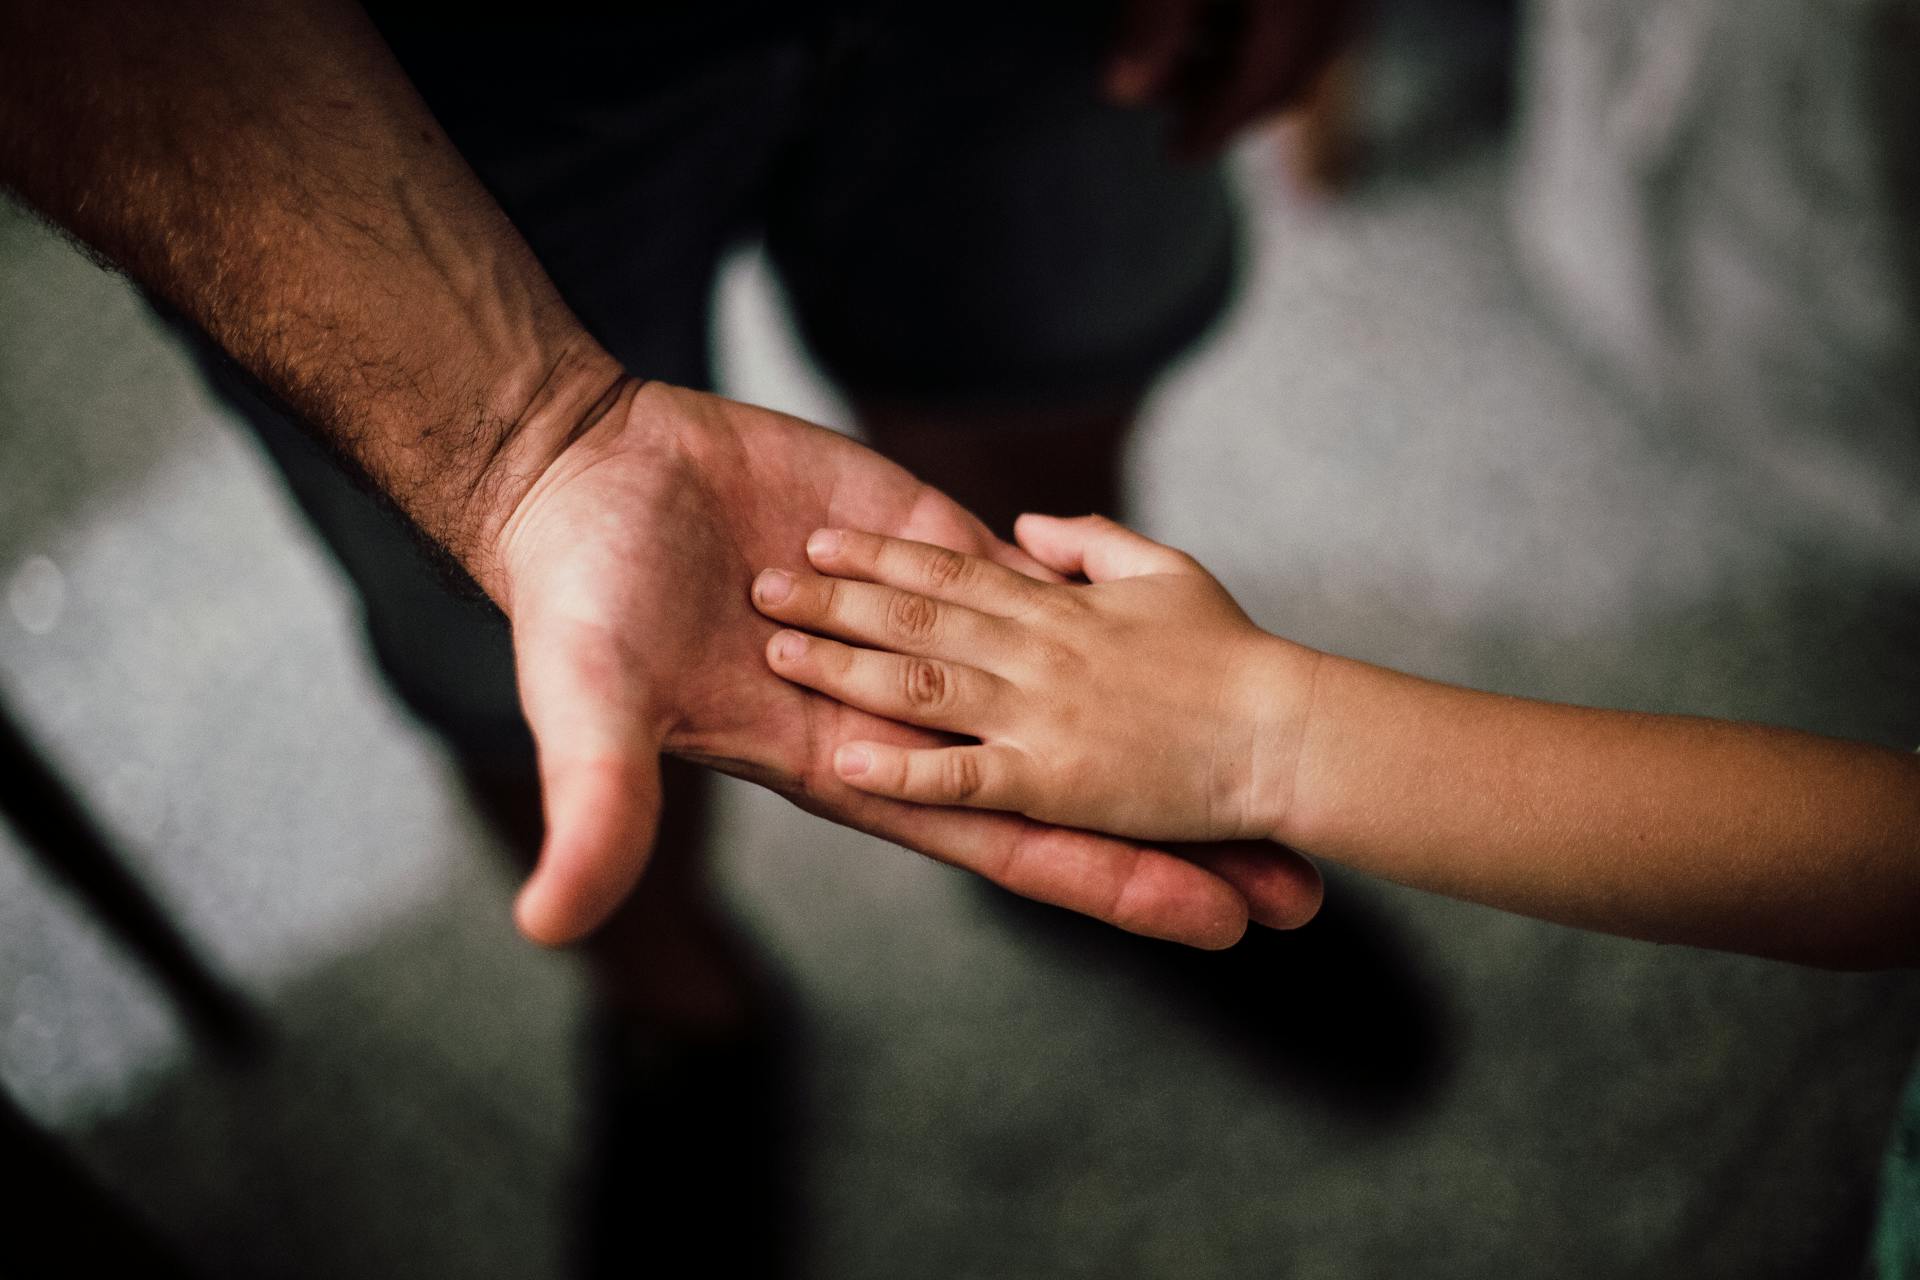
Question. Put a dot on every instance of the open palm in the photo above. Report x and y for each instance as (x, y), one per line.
(628, 567)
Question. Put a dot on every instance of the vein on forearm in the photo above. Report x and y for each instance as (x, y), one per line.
(268, 171)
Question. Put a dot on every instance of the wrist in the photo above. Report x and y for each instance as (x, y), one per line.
(1351, 710)
(1282, 696)
(548, 405)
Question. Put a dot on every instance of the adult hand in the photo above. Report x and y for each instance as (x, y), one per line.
(270, 172)
(1222, 64)
(626, 569)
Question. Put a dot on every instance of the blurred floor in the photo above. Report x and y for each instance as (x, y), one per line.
(1385, 453)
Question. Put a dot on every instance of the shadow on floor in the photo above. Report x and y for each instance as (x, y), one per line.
(1338, 1010)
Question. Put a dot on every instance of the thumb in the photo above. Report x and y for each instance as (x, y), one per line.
(599, 784)
(1096, 548)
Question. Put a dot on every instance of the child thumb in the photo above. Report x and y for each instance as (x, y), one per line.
(1096, 548)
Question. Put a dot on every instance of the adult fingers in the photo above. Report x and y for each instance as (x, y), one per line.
(1142, 890)
(1282, 888)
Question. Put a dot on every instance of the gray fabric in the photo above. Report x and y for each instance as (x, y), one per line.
(1718, 198)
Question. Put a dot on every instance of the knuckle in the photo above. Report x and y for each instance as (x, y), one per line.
(927, 685)
(943, 568)
(1063, 604)
(911, 618)
(1051, 658)
(961, 777)
(1074, 775)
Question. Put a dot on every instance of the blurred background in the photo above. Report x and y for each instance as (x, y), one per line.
(1593, 378)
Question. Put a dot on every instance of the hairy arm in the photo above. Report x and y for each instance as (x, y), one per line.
(269, 171)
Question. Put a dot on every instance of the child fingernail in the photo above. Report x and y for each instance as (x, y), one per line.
(852, 761)
(789, 645)
(774, 586)
(824, 542)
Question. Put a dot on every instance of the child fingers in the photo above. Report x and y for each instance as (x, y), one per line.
(921, 567)
(1096, 547)
(922, 691)
(983, 777)
(874, 615)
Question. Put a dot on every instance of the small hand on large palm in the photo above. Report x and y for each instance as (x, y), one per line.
(629, 565)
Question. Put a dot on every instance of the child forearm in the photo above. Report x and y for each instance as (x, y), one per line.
(1148, 703)
(1667, 828)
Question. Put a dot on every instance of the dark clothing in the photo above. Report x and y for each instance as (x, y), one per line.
(956, 216)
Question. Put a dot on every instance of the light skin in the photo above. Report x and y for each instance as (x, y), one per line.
(269, 171)
(1144, 702)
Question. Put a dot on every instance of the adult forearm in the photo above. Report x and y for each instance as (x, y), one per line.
(268, 170)
(1669, 828)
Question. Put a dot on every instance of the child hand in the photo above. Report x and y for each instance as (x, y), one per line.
(1145, 703)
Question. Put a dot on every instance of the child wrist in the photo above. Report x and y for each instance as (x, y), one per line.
(1288, 691)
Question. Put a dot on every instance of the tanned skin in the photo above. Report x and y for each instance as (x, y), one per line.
(267, 170)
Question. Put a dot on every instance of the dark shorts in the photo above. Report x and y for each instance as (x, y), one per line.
(957, 218)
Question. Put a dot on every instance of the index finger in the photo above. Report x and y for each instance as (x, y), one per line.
(924, 569)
